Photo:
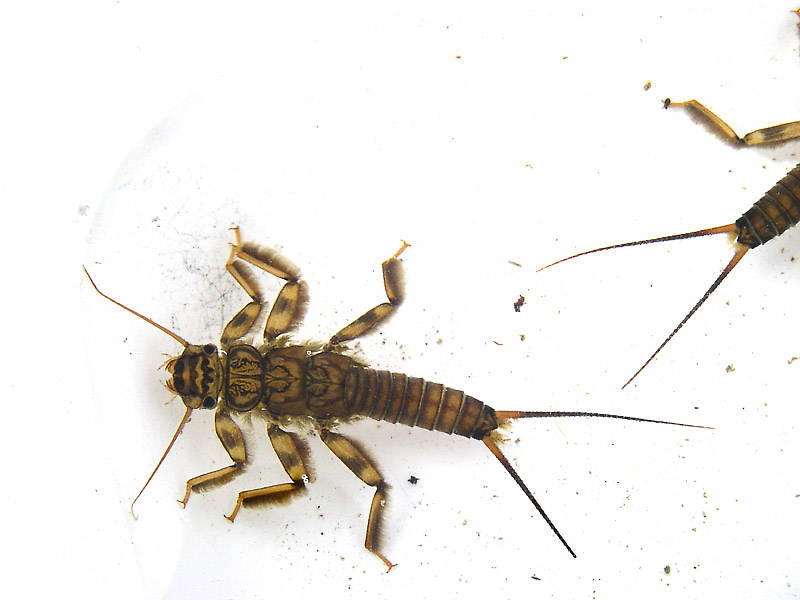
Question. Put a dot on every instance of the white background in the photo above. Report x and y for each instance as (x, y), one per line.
(135, 133)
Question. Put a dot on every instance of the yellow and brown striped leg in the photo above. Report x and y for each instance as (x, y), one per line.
(286, 310)
(286, 449)
(359, 464)
(232, 440)
(393, 284)
(766, 135)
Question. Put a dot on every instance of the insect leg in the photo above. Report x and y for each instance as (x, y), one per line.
(359, 464)
(766, 135)
(286, 311)
(393, 284)
(232, 440)
(286, 449)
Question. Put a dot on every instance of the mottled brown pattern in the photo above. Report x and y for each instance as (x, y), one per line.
(245, 386)
(325, 377)
(284, 311)
(240, 324)
(292, 381)
(284, 380)
(286, 450)
(196, 375)
(230, 436)
(352, 457)
(363, 324)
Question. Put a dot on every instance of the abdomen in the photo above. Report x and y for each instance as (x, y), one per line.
(777, 211)
(412, 401)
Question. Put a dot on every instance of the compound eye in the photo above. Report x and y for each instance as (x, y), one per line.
(209, 402)
(210, 349)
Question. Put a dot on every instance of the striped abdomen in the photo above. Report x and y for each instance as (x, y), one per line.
(412, 401)
(777, 211)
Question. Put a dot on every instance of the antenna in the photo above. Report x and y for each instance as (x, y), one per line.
(174, 336)
(163, 456)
